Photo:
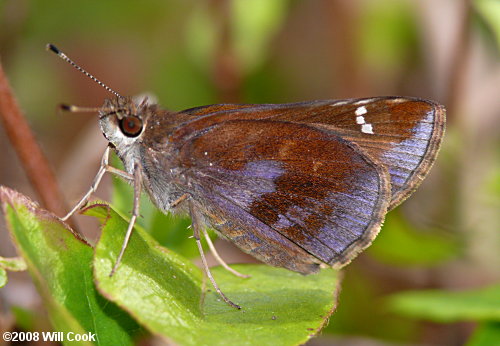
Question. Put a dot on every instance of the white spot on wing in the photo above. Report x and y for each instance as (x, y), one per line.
(206, 153)
(361, 110)
(360, 120)
(367, 128)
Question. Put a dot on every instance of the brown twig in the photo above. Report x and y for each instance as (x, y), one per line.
(346, 63)
(226, 72)
(460, 63)
(29, 152)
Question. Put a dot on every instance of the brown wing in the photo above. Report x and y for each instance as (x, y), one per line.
(289, 194)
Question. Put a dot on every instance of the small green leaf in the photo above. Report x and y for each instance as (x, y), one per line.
(446, 306)
(252, 26)
(60, 264)
(15, 264)
(487, 333)
(387, 35)
(489, 10)
(172, 232)
(164, 293)
(362, 312)
(3, 277)
(25, 319)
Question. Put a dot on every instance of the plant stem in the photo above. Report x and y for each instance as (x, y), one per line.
(33, 160)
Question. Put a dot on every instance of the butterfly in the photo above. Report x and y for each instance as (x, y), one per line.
(299, 185)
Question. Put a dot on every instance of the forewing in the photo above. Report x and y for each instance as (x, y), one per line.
(290, 194)
(404, 134)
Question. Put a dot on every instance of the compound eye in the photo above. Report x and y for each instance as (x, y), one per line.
(131, 126)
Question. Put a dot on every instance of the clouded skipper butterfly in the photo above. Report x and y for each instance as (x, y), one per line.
(299, 185)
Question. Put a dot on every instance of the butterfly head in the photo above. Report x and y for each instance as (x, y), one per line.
(123, 121)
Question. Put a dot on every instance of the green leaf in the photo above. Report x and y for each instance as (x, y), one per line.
(486, 334)
(252, 27)
(15, 264)
(172, 232)
(3, 277)
(363, 312)
(446, 306)
(254, 24)
(163, 292)
(399, 243)
(60, 264)
(387, 36)
(489, 10)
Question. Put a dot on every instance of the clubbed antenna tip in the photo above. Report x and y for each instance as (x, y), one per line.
(53, 48)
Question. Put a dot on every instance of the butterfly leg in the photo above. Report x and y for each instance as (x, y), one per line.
(135, 214)
(97, 180)
(196, 233)
(219, 259)
(209, 242)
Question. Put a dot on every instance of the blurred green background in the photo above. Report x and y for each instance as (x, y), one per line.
(194, 52)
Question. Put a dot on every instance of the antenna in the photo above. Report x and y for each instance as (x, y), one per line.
(63, 56)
